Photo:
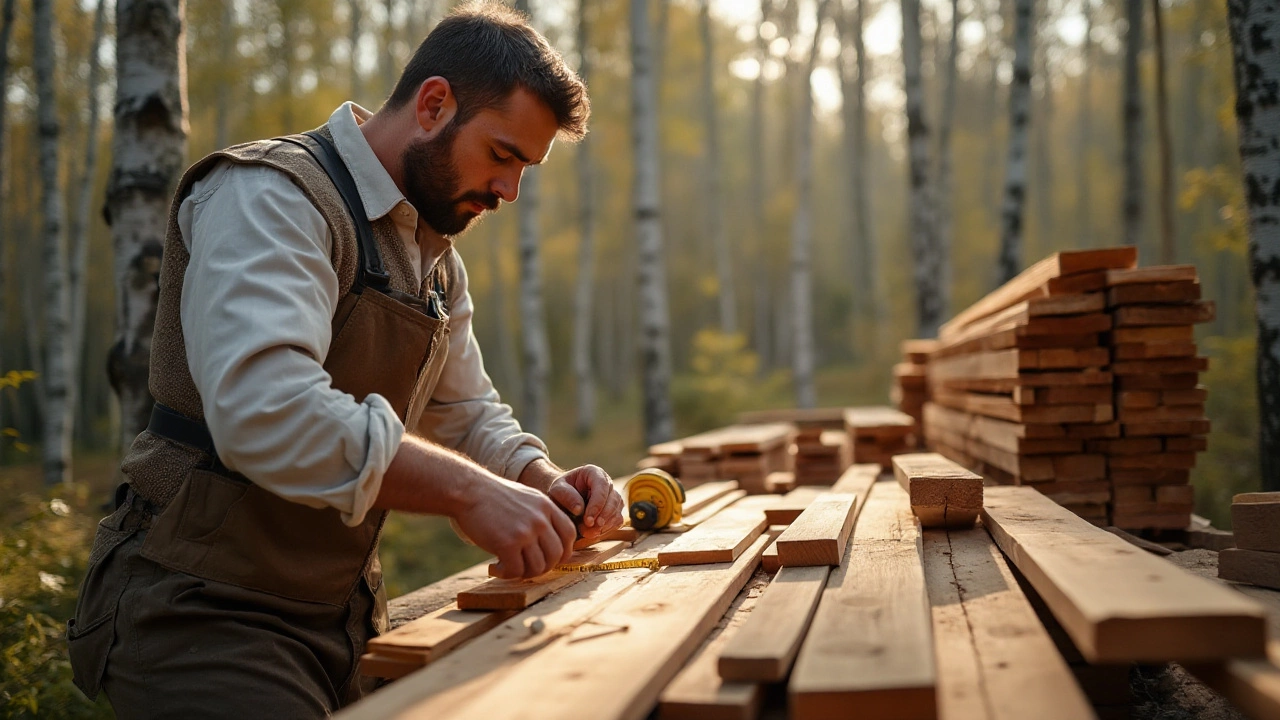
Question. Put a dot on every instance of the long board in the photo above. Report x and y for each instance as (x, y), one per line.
(764, 649)
(1118, 603)
(429, 637)
(499, 594)
(995, 659)
(819, 535)
(869, 650)
(722, 537)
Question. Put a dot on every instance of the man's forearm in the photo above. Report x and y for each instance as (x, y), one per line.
(429, 479)
(539, 474)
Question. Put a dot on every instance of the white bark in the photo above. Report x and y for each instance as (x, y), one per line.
(1168, 250)
(1255, 35)
(1015, 184)
(78, 287)
(931, 267)
(655, 323)
(148, 149)
(56, 439)
(1084, 141)
(715, 202)
(946, 120)
(583, 370)
(535, 348)
(760, 269)
(803, 358)
(356, 15)
(868, 304)
(1132, 130)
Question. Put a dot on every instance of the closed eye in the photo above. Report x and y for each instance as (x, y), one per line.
(497, 157)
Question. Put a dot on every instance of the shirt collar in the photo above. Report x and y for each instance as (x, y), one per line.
(378, 191)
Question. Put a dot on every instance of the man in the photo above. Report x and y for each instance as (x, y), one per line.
(311, 309)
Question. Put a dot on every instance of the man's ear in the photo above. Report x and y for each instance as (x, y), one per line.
(435, 105)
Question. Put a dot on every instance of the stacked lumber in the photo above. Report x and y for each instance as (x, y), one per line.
(1159, 401)
(1255, 559)
(821, 455)
(879, 433)
(663, 456)
(746, 453)
(1019, 381)
(911, 382)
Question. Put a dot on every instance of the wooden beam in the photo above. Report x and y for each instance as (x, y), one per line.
(766, 646)
(1118, 603)
(699, 692)
(1255, 567)
(429, 637)
(943, 494)
(498, 594)
(429, 598)
(869, 650)
(819, 535)
(617, 668)
(722, 537)
(995, 659)
(1255, 520)
(786, 510)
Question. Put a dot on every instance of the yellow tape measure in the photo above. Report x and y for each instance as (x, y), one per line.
(650, 563)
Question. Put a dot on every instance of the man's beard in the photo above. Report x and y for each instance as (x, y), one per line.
(431, 181)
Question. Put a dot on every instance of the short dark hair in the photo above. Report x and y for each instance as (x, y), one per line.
(486, 50)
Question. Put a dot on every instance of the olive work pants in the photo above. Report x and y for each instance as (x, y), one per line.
(164, 644)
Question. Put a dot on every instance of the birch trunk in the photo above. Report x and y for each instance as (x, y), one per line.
(654, 342)
(760, 270)
(866, 295)
(715, 201)
(388, 57)
(1042, 125)
(78, 287)
(1255, 35)
(1168, 234)
(945, 200)
(1132, 131)
(356, 13)
(1015, 184)
(148, 149)
(535, 348)
(803, 360)
(222, 98)
(1084, 138)
(583, 370)
(56, 440)
(930, 267)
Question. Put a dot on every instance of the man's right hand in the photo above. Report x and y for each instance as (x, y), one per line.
(528, 532)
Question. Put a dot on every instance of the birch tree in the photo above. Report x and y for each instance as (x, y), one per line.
(1132, 128)
(148, 149)
(1084, 136)
(57, 420)
(222, 100)
(534, 346)
(355, 14)
(1168, 250)
(931, 268)
(802, 357)
(946, 120)
(1255, 36)
(761, 305)
(1015, 184)
(583, 371)
(655, 323)
(867, 301)
(715, 202)
(79, 268)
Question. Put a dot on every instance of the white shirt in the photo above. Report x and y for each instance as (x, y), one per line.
(258, 300)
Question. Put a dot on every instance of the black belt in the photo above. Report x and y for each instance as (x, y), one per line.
(173, 425)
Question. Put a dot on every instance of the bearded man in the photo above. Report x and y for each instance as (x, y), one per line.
(314, 367)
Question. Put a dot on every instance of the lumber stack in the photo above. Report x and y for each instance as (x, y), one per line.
(821, 454)
(746, 453)
(879, 433)
(911, 383)
(1255, 519)
(1159, 401)
(1019, 381)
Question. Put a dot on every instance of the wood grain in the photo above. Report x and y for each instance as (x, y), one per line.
(819, 535)
(943, 494)
(766, 646)
(1118, 603)
(722, 537)
(499, 594)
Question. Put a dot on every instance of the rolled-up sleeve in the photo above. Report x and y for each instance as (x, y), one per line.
(257, 306)
(465, 411)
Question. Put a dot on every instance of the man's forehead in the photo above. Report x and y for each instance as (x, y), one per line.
(522, 125)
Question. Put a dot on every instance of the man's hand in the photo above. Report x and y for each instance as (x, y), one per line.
(528, 533)
(603, 512)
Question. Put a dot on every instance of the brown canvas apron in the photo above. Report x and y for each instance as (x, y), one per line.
(231, 599)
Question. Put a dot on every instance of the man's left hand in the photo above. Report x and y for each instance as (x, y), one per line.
(603, 512)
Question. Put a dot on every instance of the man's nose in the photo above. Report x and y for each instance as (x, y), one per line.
(507, 185)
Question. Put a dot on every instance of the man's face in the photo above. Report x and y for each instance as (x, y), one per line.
(465, 171)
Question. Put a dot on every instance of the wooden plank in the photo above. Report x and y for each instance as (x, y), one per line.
(1116, 602)
(1151, 274)
(1170, 292)
(709, 510)
(455, 679)
(499, 594)
(1027, 283)
(430, 598)
(700, 496)
(943, 494)
(722, 537)
(1144, 315)
(786, 510)
(698, 692)
(995, 660)
(869, 649)
(819, 535)
(1256, 567)
(766, 645)
(617, 668)
(429, 637)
